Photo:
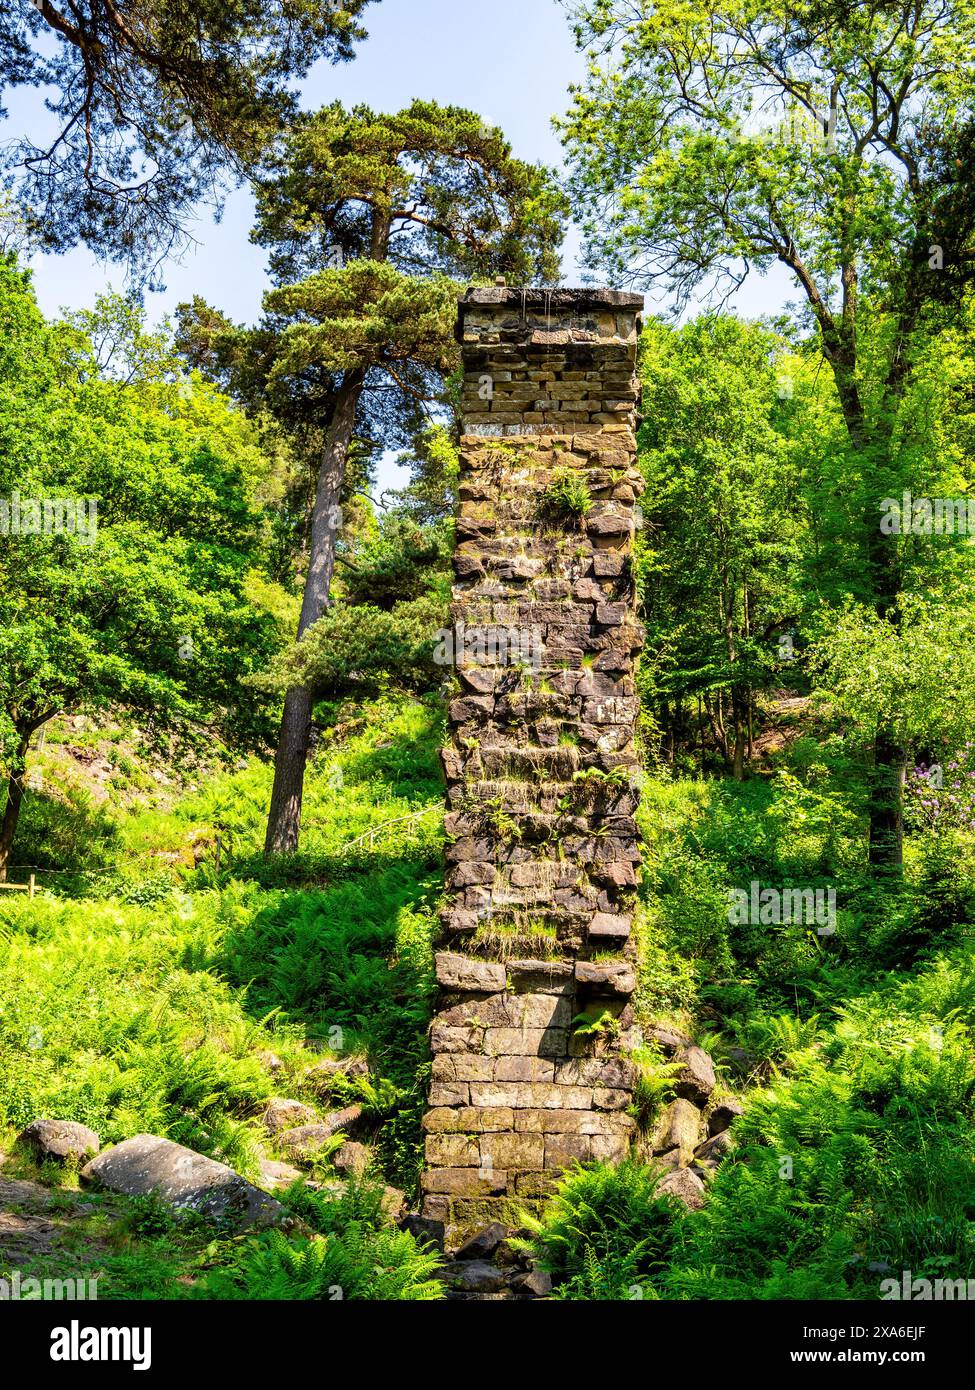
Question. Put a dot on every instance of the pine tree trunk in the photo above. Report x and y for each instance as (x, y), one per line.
(284, 815)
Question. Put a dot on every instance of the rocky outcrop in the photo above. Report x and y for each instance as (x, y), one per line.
(541, 768)
(488, 1268)
(724, 1114)
(692, 1132)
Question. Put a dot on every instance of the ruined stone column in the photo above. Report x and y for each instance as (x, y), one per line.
(537, 965)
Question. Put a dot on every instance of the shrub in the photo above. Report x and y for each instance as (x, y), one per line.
(353, 1255)
(605, 1231)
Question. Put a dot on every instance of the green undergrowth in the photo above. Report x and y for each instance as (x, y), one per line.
(854, 1053)
(156, 1001)
(152, 1003)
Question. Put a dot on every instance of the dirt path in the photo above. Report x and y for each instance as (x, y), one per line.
(36, 1221)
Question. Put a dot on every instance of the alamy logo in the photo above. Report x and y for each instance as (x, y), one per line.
(911, 1290)
(77, 1343)
(16, 1287)
(49, 516)
(768, 907)
(927, 516)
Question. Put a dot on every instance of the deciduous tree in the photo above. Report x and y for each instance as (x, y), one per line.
(713, 139)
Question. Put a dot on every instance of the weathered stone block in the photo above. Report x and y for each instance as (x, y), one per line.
(572, 1122)
(449, 1093)
(531, 1095)
(451, 1151)
(464, 1182)
(526, 1042)
(724, 1115)
(540, 976)
(512, 1151)
(697, 1079)
(606, 977)
(188, 1181)
(540, 1011)
(613, 1073)
(461, 972)
(59, 1141)
(454, 1039)
(609, 1148)
(679, 1128)
(535, 1184)
(281, 1113)
(685, 1186)
(450, 1066)
(606, 1099)
(478, 1119)
(609, 927)
(524, 1069)
(713, 1150)
(563, 1149)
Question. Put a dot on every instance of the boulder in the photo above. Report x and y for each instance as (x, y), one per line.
(286, 1114)
(680, 1129)
(393, 1203)
(329, 1069)
(697, 1080)
(536, 1284)
(667, 1039)
(713, 1150)
(482, 1245)
(274, 1174)
(472, 1276)
(685, 1185)
(724, 1114)
(188, 1181)
(424, 1229)
(305, 1141)
(352, 1158)
(59, 1141)
(741, 1062)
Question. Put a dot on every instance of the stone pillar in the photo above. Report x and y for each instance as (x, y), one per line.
(541, 767)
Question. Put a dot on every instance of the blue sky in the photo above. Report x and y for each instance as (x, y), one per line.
(510, 60)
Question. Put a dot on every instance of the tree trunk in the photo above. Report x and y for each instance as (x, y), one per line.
(15, 798)
(284, 815)
(889, 757)
(737, 704)
(886, 804)
(738, 715)
(718, 730)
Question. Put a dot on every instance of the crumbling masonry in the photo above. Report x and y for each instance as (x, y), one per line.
(537, 964)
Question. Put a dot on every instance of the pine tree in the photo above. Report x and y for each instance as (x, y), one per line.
(369, 218)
